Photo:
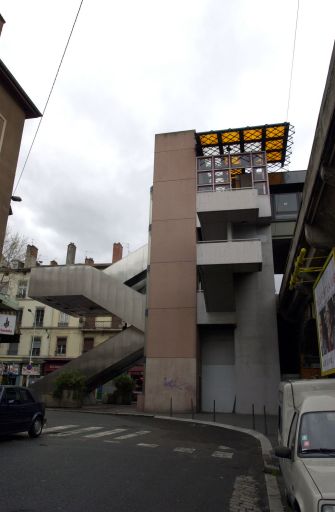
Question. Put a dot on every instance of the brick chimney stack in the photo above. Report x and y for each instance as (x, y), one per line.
(71, 254)
(31, 256)
(117, 252)
(2, 22)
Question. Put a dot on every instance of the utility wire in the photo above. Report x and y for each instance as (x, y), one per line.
(48, 99)
(292, 63)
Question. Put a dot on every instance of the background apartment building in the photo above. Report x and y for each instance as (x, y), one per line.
(47, 337)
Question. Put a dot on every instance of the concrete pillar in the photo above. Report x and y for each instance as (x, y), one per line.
(171, 339)
(256, 344)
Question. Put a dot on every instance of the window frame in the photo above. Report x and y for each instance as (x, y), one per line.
(2, 131)
(61, 346)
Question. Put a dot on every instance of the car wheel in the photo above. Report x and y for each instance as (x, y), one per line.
(36, 428)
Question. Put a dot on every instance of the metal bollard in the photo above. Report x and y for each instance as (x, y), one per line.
(265, 422)
(171, 406)
(192, 409)
(253, 417)
(214, 416)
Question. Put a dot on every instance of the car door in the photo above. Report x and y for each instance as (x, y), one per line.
(13, 411)
(28, 407)
(3, 411)
(287, 465)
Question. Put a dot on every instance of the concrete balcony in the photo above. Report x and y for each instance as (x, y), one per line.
(217, 263)
(205, 317)
(235, 255)
(236, 206)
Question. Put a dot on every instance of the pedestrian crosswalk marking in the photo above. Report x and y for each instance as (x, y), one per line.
(77, 431)
(224, 447)
(184, 450)
(109, 441)
(223, 455)
(106, 433)
(55, 429)
(145, 445)
(135, 434)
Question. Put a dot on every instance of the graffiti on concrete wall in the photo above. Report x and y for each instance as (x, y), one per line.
(174, 384)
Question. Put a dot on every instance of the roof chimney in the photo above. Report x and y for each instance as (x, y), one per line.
(71, 254)
(117, 252)
(2, 22)
(89, 261)
(31, 256)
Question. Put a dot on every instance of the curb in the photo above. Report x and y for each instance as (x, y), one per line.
(274, 497)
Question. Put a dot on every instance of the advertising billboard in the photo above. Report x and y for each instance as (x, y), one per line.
(7, 324)
(324, 300)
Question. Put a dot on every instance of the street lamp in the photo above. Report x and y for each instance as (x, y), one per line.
(32, 344)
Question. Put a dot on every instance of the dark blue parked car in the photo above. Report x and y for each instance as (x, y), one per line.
(20, 412)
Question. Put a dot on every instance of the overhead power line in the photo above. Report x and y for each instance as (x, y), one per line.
(49, 96)
(292, 62)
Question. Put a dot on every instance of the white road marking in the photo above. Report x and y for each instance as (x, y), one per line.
(55, 429)
(106, 433)
(223, 455)
(114, 442)
(224, 448)
(184, 450)
(145, 445)
(77, 431)
(135, 434)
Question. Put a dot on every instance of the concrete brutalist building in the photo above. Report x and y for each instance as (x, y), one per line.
(199, 301)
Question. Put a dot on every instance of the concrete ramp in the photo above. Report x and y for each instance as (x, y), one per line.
(100, 364)
(81, 290)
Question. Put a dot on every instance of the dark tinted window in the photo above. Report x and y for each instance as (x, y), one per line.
(26, 396)
(13, 395)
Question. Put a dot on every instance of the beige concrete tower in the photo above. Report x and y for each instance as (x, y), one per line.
(171, 339)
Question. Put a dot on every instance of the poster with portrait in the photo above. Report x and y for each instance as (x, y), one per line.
(324, 300)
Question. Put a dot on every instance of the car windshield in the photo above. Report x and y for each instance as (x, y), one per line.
(317, 434)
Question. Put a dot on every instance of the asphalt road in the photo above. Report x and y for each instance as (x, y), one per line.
(91, 462)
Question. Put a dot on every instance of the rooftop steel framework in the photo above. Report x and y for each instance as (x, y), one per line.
(275, 139)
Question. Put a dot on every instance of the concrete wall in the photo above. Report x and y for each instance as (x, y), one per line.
(171, 340)
(9, 153)
(256, 344)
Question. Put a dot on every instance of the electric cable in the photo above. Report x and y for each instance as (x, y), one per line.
(49, 96)
(292, 63)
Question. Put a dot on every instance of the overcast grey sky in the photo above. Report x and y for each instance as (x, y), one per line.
(134, 69)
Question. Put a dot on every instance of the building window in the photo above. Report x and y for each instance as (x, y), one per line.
(39, 317)
(61, 346)
(4, 287)
(19, 314)
(286, 206)
(88, 344)
(13, 349)
(22, 290)
(36, 346)
(3, 123)
(63, 320)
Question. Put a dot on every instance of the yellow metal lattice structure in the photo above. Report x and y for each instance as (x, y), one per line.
(275, 139)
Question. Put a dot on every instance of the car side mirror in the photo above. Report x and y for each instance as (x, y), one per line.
(283, 452)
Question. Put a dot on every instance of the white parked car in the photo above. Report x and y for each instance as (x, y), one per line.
(307, 444)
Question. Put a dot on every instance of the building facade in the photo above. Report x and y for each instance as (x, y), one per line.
(15, 108)
(211, 330)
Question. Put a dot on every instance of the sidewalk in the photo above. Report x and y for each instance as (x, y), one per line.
(267, 426)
